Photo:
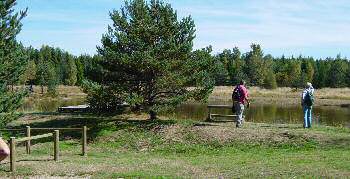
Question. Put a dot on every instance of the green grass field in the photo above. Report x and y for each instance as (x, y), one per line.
(127, 146)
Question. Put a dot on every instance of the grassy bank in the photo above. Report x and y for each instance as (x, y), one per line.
(128, 146)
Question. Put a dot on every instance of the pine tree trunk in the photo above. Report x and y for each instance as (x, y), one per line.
(152, 115)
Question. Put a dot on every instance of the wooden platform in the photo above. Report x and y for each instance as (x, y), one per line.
(74, 109)
(82, 108)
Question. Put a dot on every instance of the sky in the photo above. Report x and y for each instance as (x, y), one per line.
(315, 28)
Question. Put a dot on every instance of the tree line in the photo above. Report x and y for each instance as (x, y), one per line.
(271, 72)
(50, 66)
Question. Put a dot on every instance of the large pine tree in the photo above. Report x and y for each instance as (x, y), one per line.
(12, 60)
(147, 55)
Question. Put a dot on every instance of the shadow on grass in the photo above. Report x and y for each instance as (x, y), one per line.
(35, 160)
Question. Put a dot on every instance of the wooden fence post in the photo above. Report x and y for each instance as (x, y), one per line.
(28, 141)
(84, 140)
(56, 137)
(12, 154)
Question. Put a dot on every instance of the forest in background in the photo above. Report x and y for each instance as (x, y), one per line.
(52, 66)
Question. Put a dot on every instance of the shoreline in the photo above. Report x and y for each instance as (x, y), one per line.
(286, 96)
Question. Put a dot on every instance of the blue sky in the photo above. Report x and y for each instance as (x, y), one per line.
(315, 28)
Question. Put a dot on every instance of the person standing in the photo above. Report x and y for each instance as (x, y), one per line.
(239, 97)
(307, 101)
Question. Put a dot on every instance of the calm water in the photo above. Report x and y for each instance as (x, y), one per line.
(327, 115)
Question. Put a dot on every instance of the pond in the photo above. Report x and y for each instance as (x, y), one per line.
(262, 113)
(270, 113)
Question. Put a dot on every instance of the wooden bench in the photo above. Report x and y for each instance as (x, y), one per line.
(211, 116)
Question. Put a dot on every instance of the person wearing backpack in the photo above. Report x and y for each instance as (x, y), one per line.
(307, 101)
(239, 97)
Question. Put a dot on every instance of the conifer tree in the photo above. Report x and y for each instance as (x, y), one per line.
(12, 60)
(71, 71)
(255, 68)
(269, 77)
(147, 55)
(227, 60)
(238, 67)
(46, 75)
(51, 79)
(80, 69)
(29, 74)
(337, 73)
(296, 78)
(270, 80)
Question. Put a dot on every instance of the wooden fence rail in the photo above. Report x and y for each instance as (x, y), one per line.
(13, 142)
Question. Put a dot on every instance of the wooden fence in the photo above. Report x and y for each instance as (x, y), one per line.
(29, 129)
(83, 138)
(14, 141)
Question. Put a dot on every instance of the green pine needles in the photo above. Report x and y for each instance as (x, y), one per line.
(12, 61)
